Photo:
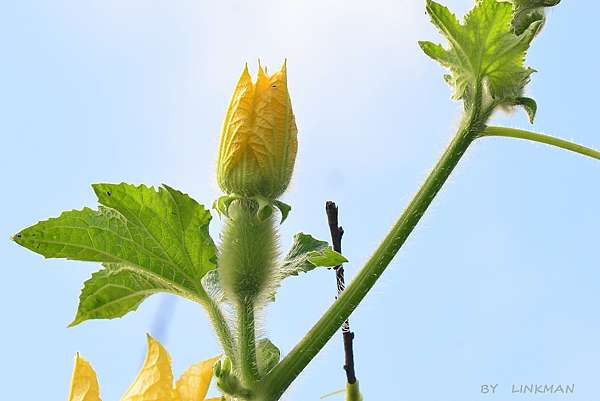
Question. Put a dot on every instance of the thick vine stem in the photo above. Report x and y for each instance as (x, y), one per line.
(541, 138)
(279, 379)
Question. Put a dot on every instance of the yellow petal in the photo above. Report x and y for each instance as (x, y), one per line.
(84, 383)
(234, 134)
(275, 140)
(155, 380)
(193, 383)
(262, 82)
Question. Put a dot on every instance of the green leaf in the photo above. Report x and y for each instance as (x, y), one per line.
(483, 52)
(529, 11)
(267, 356)
(307, 253)
(116, 290)
(150, 240)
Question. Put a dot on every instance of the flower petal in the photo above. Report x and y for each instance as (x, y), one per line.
(84, 383)
(155, 380)
(235, 131)
(193, 383)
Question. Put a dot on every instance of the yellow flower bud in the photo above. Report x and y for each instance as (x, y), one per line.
(258, 141)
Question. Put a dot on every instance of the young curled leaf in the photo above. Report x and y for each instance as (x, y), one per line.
(485, 56)
(308, 253)
(528, 12)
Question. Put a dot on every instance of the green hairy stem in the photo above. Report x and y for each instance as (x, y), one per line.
(222, 330)
(248, 274)
(278, 380)
(247, 343)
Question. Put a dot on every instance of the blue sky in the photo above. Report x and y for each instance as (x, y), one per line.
(498, 284)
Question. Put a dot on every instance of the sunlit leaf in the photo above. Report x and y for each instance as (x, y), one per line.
(307, 253)
(484, 55)
(149, 241)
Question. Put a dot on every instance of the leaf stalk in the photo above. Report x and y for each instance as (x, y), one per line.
(216, 317)
(541, 138)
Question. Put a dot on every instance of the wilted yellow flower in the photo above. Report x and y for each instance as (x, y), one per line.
(258, 141)
(153, 383)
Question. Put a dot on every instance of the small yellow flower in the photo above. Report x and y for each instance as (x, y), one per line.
(153, 383)
(258, 144)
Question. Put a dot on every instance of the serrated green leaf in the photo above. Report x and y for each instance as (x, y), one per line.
(175, 224)
(307, 253)
(152, 240)
(529, 11)
(484, 51)
(117, 290)
(267, 356)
